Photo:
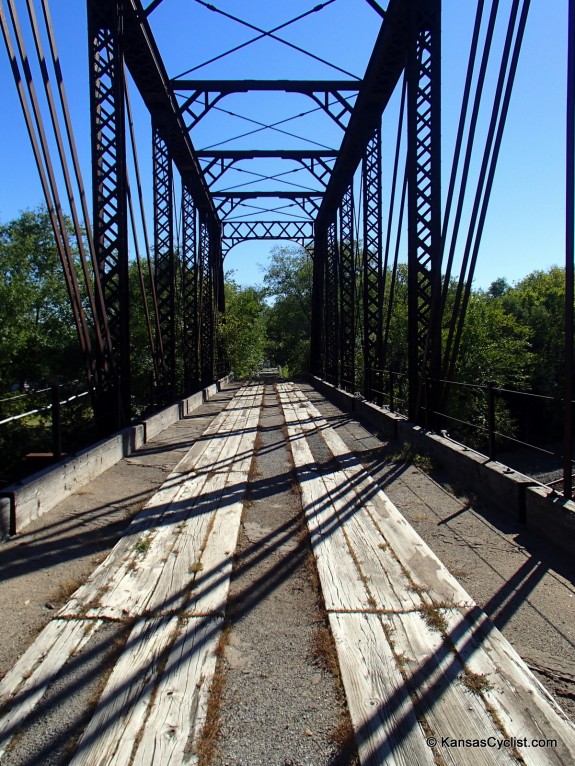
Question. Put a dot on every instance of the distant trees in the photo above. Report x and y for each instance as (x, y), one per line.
(288, 281)
(243, 331)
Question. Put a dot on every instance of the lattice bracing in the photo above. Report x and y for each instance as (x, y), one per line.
(234, 232)
(372, 269)
(331, 323)
(424, 265)
(110, 216)
(347, 272)
(207, 304)
(164, 260)
(190, 341)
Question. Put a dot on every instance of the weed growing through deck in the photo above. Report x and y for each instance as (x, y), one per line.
(478, 683)
(143, 545)
(433, 617)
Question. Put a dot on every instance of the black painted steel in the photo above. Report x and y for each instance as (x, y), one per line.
(347, 270)
(569, 259)
(164, 261)
(234, 232)
(110, 211)
(373, 284)
(190, 273)
(207, 304)
(331, 322)
(424, 203)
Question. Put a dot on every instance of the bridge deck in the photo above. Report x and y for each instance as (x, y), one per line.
(419, 660)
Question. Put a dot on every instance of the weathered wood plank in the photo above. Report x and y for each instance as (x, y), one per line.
(179, 708)
(427, 572)
(435, 675)
(386, 728)
(342, 586)
(120, 714)
(172, 585)
(125, 582)
(25, 684)
(211, 583)
(385, 580)
(524, 707)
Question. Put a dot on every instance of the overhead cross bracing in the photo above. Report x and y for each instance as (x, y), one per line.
(299, 125)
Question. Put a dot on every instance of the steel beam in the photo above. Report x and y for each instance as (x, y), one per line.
(384, 69)
(234, 232)
(347, 291)
(372, 271)
(226, 202)
(164, 261)
(148, 72)
(317, 346)
(207, 304)
(205, 94)
(218, 163)
(331, 322)
(190, 294)
(110, 208)
(424, 205)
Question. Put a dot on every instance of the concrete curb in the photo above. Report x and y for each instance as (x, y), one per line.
(543, 511)
(29, 499)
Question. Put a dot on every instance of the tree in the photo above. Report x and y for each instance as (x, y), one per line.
(538, 303)
(243, 332)
(288, 283)
(38, 338)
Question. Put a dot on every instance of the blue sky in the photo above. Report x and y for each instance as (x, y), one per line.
(525, 225)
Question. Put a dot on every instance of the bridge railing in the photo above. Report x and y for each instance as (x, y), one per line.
(520, 428)
(38, 426)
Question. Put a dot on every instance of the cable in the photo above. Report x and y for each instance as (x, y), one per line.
(270, 33)
(265, 126)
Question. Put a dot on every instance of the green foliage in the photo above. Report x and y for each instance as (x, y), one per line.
(243, 332)
(288, 282)
(38, 339)
(538, 303)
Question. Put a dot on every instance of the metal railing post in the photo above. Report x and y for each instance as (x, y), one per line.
(56, 423)
(491, 418)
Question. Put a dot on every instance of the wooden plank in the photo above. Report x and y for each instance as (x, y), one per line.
(24, 686)
(212, 582)
(385, 725)
(124, 583)
(120, 714)
(385, 580)
(434, 673)
(342, 586)
(524, 707)
(168, 591)
(427, 572)
(179, 708)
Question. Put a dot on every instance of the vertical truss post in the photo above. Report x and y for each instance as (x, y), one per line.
(190, 293)
(164, 260)
(206, 307)
(317, 361)
(372, 270)
(424, 202)
(110, 208)
(569, 257)
(216, 254)
(331, 322)
(347, 290)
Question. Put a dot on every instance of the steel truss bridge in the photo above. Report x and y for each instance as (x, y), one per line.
(350, 226)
